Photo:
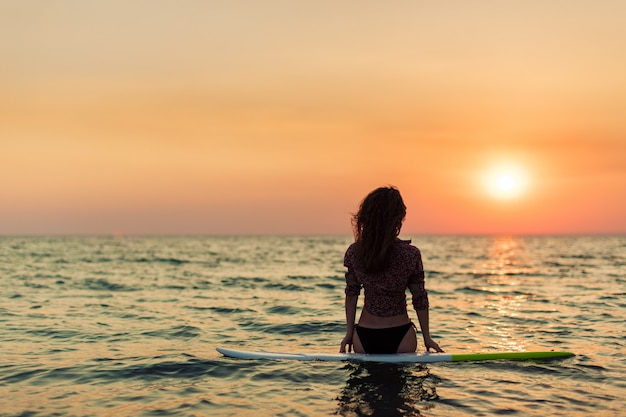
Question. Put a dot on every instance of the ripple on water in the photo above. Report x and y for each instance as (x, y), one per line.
(182, 332)
(243, 282)
(295, 329)
(101, 284)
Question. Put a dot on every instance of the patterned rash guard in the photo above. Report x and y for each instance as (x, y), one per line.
(385, 291)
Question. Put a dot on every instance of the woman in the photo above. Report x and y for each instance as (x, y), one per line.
(385, 267)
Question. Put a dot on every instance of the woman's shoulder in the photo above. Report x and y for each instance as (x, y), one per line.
(350, 248)
(406, 246)
(347, 259)
(406, 251)
(406, 257)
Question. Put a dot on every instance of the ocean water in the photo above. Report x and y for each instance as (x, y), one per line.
(107, 326)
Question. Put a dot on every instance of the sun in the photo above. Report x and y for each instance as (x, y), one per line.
(506, 181)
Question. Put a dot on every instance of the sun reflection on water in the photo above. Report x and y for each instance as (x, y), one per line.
(504, 272)
(505, 257)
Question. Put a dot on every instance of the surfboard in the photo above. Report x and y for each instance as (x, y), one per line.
(393, 358)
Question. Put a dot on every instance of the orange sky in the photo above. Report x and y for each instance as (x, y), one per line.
(159, 117)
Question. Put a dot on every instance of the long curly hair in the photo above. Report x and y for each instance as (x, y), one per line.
(376, 226)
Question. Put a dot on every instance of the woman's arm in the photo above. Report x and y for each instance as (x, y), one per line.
(351, 302)
(423, 318)
(421, 304)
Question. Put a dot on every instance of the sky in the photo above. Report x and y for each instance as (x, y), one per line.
(278, 117)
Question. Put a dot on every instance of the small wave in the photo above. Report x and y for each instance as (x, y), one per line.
(505, 273)
(184, 332)
(173, 261)
(50, 276)
(40, 255)
(57, 334)
(286, 287)
(243, 282)
(189, 369)
(496, 291)
(102, 284)
(121, 370)
(221, 310)
(35, 285)
(310, 328)
(290, 375)
(102, 260)
(283, 310)
(18, 375)
(568, 256)
(173, 287)
(302, 277)
(61, 261)
(203, 285)
(161, 370)
(555, 264)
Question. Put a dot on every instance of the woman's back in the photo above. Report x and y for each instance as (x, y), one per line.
(385, 290)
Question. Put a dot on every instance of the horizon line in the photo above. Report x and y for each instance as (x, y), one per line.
(442, 234)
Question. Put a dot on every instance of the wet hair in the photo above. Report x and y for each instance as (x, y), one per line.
(376, 226)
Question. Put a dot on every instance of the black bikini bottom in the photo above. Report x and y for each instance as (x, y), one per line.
(386, 340)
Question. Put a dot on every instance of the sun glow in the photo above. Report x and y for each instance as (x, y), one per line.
(506, 181)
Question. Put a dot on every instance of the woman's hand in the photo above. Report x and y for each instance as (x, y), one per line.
(431, 344)
(347, 341)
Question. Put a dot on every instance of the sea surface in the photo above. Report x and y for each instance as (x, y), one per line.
(106, 326)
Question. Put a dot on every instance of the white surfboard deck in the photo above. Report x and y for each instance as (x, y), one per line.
(392, 358)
